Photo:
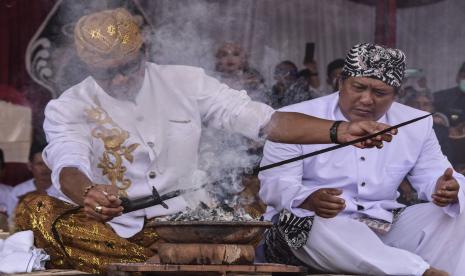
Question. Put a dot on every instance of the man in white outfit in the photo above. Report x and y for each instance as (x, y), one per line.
(337, 212)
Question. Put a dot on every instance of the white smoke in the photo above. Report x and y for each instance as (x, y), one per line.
(183, 35)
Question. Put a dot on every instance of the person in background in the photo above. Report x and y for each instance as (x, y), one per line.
(333, 73)
(424, 101)
(416, 78)
(285, 74)
(310, 72)
(451, 101)
(231, 63)
(289, 87)
(414, 82)
(41, 181)
(232, 68)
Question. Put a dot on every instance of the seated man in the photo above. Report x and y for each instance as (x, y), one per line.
(133, 127)
(41, 181)
(337, 212)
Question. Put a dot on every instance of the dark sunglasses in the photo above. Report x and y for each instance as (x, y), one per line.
(124, 69)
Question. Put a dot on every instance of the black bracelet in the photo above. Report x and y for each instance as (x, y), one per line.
(333, 132)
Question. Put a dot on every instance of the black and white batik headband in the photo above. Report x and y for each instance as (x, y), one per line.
(375, 61)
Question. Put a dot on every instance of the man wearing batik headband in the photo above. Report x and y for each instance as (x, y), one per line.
(133, 126)
(337, 212)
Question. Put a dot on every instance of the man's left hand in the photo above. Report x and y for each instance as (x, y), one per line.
(447, 189)
(349, 131)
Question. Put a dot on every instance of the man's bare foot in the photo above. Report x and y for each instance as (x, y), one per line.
(435, 272)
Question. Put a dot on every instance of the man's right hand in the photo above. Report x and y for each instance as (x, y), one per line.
(102, 203)
(325, 202)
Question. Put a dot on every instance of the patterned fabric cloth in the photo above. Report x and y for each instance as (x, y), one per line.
(380, 226)
(74, 241)
(375, 61)
(288, 232)
(295, 230)
(291, 231)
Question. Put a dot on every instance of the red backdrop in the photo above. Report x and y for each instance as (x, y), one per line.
(19, 19)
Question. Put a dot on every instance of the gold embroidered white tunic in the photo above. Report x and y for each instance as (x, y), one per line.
(153, 141)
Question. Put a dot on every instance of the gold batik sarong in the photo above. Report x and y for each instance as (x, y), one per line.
(73, 240)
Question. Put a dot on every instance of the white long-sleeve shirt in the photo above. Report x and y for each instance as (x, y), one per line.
(369, 178)
(165, 120)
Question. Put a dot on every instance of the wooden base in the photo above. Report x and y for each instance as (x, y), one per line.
(223, 270)
(53, 272)
(206, 254)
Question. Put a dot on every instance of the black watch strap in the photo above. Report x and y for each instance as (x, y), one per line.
(333, 132)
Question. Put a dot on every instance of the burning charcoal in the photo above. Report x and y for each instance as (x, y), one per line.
(221, 212)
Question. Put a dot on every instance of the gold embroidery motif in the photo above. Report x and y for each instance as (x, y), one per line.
(113, 138)
(95, 33)
(125, 39)
(111, 29)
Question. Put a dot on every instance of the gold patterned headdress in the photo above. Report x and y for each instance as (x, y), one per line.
(107, 35)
